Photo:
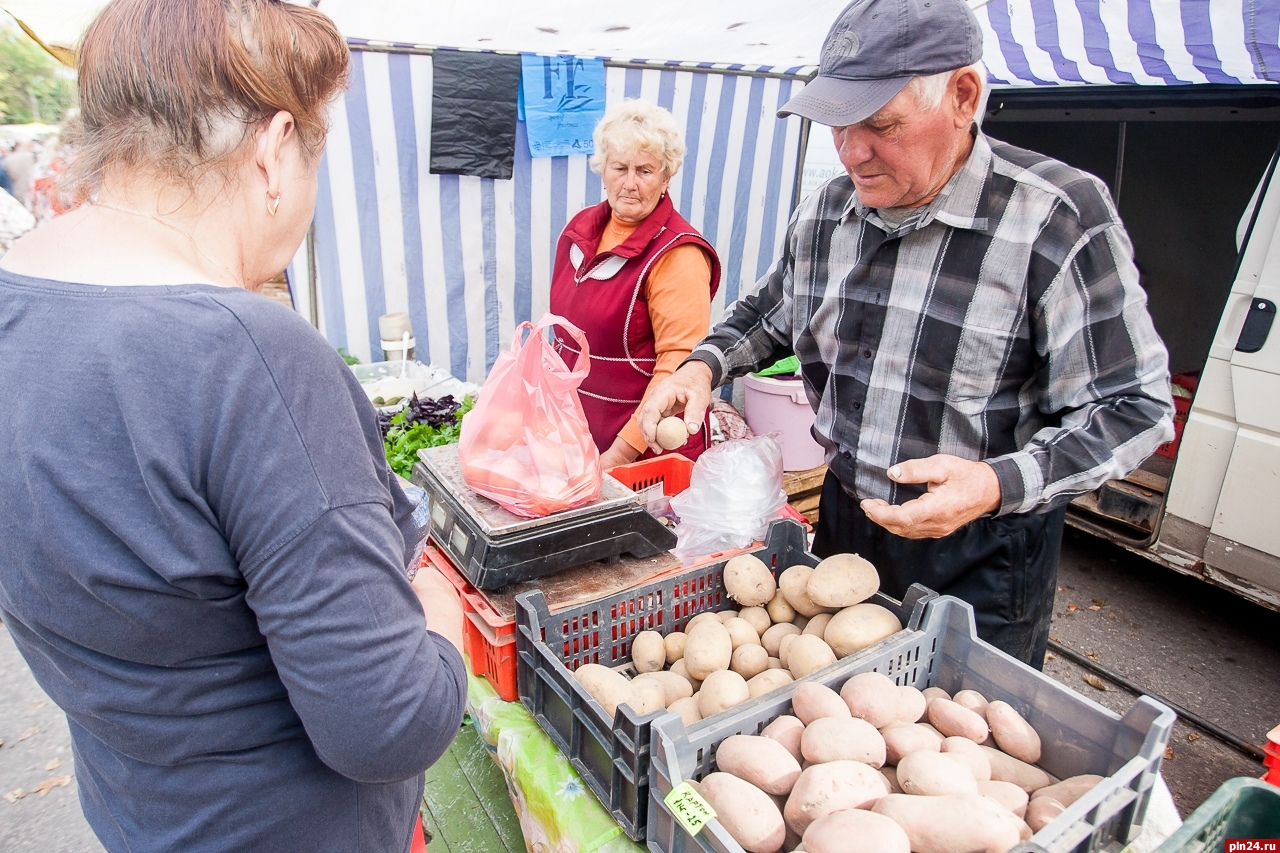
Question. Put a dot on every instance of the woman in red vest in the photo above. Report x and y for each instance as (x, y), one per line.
(635, 277)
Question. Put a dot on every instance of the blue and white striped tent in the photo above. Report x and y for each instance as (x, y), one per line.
(470, 258)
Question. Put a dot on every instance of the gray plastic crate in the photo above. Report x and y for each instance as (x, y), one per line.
(612, 755)
(1078, 734)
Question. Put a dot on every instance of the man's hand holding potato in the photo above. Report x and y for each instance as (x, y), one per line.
(687, 391)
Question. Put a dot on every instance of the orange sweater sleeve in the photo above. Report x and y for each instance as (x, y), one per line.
(679, 292)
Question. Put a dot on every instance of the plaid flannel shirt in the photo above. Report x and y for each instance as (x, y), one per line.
(1004, 323)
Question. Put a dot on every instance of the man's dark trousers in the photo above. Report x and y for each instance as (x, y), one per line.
(1004, 566)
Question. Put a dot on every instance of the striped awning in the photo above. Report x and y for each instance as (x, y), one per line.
(1133, 42)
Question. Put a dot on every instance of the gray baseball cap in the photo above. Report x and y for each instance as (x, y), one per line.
(874, 49)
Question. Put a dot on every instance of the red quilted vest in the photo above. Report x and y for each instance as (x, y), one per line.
(604, 296)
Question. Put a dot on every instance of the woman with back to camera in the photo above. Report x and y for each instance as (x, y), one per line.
(205, 551)
(635, 277)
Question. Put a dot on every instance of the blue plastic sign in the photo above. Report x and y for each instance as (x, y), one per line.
(563, 98)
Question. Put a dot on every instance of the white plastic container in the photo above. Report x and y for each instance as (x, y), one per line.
(779, 405)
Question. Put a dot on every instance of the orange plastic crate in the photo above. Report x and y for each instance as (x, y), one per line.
(672, 471)
(488, 639)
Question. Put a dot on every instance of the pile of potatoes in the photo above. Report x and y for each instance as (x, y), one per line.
(806, 619)
(883, 768)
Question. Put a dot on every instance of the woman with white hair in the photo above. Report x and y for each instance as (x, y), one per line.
(635, 277)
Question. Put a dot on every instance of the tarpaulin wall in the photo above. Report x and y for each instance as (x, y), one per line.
(470, 258)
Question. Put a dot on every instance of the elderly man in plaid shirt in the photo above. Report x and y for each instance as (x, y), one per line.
(970, 327)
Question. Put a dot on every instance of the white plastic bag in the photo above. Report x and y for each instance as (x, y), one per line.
(735, 490)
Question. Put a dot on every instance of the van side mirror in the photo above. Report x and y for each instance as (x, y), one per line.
(1257, 325)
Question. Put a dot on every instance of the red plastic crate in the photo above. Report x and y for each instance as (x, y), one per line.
(672, 471)
(488, 639)
(1181, 406)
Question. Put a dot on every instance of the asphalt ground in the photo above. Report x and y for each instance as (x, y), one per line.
(1197, 646)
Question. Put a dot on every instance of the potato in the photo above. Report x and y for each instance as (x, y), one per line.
(801, 622)
(775, 663)
(1069, 790)
(855, 831)
(680, 669)
(812, 701)
(647, 696)
(911, 704)
(760, 760)
(741, 633)
(786, 730)
(1006, 768)
(748, 580)
(671, 433)
(673, 646)
(794, 582)
(842, 580)
(722, 689)
(674, 686)
(747, 813)
(1041, 811)
(779, 609)
(807, 654)
(687, 709)
(770, 679)
(890, 774)
(855, 628)
(947, 824)
(1006, 794)
(970, 754)
(726, 615)
(608, 687)
(648, 651)
(704, 616)
(951, 718)
(872, 696)
(930, 692)
(842, 739)
(902, 739)
(707, 649)
(934, 774)
(783, 645)
(756, 617)
(973, 700)
(772, 638)
(816, 625)
(832, 787)
(1013, 734)
(749, 661)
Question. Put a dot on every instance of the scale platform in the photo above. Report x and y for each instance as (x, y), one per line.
(494, 547)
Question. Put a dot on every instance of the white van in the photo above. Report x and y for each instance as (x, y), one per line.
(1194, 174)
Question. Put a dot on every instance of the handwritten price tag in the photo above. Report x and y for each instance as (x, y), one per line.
(689, 808)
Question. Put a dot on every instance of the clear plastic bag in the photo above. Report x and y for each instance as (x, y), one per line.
(526, 444)
(735, 490)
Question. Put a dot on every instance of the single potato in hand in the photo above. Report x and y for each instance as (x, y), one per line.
(671, 433)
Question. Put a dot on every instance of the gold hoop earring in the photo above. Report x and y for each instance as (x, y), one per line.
(273, 204)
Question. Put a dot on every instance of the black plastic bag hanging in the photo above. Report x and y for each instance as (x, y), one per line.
(473, 113)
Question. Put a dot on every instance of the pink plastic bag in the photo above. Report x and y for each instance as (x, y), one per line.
(526, 444)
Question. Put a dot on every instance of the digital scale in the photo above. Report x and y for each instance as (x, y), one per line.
(493, 547)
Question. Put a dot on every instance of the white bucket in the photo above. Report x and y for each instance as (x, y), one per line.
(779, 406)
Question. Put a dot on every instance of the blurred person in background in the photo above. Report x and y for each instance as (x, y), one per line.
(47, 200)
(20, 165)
(205, 562)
